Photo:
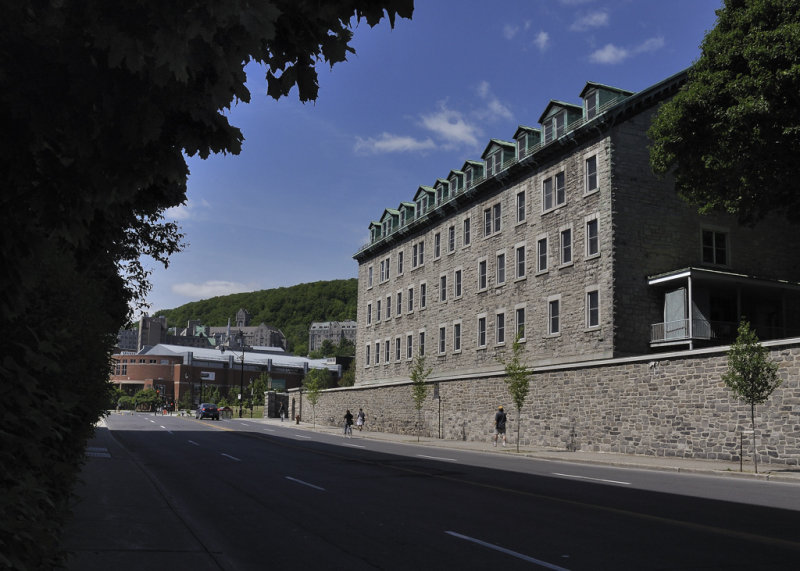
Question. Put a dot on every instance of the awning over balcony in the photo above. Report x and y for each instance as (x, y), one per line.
(705, 306)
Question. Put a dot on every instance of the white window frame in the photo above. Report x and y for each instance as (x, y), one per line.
(397, 347)
(520, 273)
(398, 312)
(715, 232)
(410, 301)
(500, 327)
(388, 345)
(409, 345)
(483, 266)
(367, 355)
(560, 192)
(442, 287)
(521, 205)
(388, 308)
(423, 295)
(467, 231)
(566, 248)
(554, 317)
(369, 313)
(400, 263)
(542, 262)
(437, 245)
(517, 308)
(481, 331)
(588, 221)
(378, 311)
(442, 342)
(451, 239)
(458, 282)
(592, 291)
(370, 272)
(458, 331)
(421, 342)
(500, 266)
(590, 178)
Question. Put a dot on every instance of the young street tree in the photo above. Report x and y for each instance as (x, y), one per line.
(419, 390)
(105, 100)
(316, 380)
(731, 136)
(751, 375)
(518, 379)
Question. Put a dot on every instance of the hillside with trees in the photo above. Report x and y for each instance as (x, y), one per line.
(290, 309)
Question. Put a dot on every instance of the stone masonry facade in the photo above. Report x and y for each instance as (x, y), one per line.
(673, 404)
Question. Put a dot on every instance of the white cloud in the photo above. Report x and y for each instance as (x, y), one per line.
(650, 45)
(611, 54)
(389, 143)
(510, 31)
(542, 41)
(589, 21)
(494, 107)
(451, 126)
(188, 211)
(211, 288)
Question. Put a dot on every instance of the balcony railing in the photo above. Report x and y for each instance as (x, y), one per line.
(717, 332)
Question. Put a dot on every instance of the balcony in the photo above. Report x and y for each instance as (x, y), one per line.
(710, 332)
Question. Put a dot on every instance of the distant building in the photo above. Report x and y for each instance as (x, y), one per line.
(128, 340)
(333, 331)
(152, 331)
(243, 333)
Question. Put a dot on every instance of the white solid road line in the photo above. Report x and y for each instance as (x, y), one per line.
(437, 458)
(231, 457)
(305, 483)
(539, 562)
(192, 442)
(591, 479)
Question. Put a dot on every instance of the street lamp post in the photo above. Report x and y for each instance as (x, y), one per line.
(241, 377)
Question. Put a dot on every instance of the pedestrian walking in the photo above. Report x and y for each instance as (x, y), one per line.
(361, 418)
(348, 423)
(282, 412)
(500, 425)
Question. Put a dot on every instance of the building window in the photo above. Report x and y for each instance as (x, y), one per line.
(566, 246)
(521, 206)
(500, 328)
(442, 337)
(421, 342)
(388, 307)
(491, 219)
(494, 163)
(385, 269)
(466, 231)
(715, 247)
(520, 261)
(369, 314)
(590, 174)
(399, 304)
(378, 317)
(482, 275)
(590, 104)
(399, 263)
(553, 316)
(437, 245)
(456, 337)
(423, 295)
(442, 288)
(541, 255)
(409, 346)
(387, 354)
(451, 239)
(520, 322)
(369, 276)
(457, 283)
(397, 349)
(418, 254)
(547, 194)
(592, 238)
(482, 332)
(410, 299)
(561, 193)
(367, 355)
(501, 269)
(377, 352)
(593, 308)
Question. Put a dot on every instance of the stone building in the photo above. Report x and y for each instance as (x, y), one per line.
(333, 331)
(564, 237)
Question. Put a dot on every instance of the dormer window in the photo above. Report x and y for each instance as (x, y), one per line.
(442, 193)
(469, 176)
(454, 186)
(494, 163)
(420, 206)
(560, 124)
(590, 104)
(386, 227)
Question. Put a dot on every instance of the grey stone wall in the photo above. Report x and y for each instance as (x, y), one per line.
(666, 405)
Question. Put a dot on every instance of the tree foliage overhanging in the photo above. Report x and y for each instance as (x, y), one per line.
(732, 134)
(101, 102)
(290, 309)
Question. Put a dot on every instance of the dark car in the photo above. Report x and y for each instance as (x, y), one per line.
(207, 410)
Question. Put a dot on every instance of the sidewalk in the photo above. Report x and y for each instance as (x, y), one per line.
(122, 521)
(771, 472)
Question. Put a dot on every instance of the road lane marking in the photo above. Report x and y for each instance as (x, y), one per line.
(302, 436)
(269, 429)
(592, 479)
(165, 428)
(539, 562)
(304, 483)
(356, 446)
(193, 442)
(231, 457)
(436, 458)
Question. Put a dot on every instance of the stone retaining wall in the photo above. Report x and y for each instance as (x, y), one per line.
(666, 405)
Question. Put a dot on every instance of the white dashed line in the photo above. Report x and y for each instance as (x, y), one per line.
(539, 562)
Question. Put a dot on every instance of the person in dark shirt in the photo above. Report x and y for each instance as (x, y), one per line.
(500, 424)
(348, 423)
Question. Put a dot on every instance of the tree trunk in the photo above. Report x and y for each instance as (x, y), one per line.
(753, 426)
(518, 425)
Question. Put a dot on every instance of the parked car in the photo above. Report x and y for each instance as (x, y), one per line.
(207, 410)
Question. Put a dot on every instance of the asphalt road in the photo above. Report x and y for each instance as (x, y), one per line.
(256, 495)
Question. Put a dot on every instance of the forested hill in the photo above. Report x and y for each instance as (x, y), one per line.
(290, 309)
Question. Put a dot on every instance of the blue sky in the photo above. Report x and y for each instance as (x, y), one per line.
(415, 102)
